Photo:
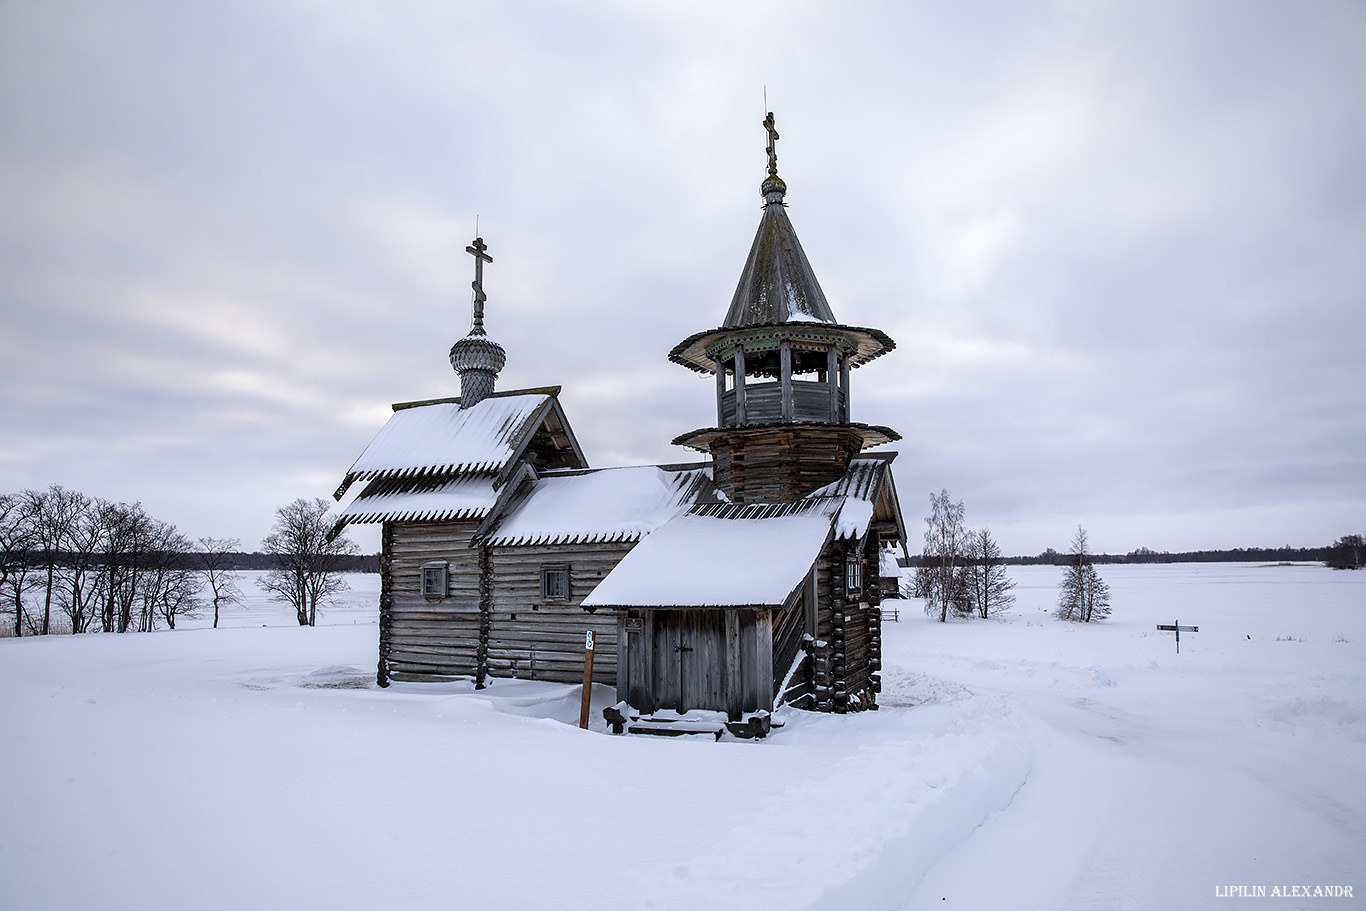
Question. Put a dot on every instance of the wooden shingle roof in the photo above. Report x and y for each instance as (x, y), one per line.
(610, 504)
(439, 439)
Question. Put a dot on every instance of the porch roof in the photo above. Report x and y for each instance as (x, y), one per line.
(722, 555)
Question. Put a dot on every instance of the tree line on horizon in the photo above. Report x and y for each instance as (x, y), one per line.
(72, 563)
(1340, 552)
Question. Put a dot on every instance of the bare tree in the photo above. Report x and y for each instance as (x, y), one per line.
(169, 585)
(941, 577)
(215, 565)
(80, 577)
(16, 539)
(308, 558)
(989, 588)
(54, 512)
(1082, 595)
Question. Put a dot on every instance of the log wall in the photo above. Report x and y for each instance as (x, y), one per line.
(784, 463)
(543, 640)
(492, 621)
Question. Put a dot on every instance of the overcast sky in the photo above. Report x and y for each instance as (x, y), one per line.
(1121, 246)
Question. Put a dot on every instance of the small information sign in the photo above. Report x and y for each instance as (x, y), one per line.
(1178, 629)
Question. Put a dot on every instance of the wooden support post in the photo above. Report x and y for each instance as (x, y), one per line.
(832, 381)
(740, 416)
(587, 702)
(734, 685)
(386, 601)
(844, 390)
(481, 654)
(720, 393)
(785, 377)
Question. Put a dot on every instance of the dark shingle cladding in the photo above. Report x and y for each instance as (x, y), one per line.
(777, 284)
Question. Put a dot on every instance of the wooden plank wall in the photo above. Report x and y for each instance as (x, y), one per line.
(543, 640)
(500, 628)
(431, 639)
(789, 630)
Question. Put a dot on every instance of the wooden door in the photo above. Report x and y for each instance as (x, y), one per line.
(689, 661)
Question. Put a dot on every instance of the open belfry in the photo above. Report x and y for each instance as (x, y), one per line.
(716, 590)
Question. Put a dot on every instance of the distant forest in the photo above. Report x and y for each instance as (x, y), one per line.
(350, 563)
(1051, 557)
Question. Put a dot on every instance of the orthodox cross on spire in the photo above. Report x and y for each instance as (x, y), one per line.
(480, 257)
(772, 145)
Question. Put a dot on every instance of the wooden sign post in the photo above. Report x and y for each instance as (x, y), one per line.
(1178, 629)
(587, 679)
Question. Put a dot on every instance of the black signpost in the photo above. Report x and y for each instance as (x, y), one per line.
(1178, 629)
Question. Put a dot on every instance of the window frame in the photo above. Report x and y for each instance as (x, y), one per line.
(853, 571)
(548, 570)
(436, 591)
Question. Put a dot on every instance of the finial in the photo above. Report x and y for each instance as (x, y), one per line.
(772, 189)
(480, 257)
(772, 144)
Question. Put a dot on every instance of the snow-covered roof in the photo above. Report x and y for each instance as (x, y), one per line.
(888, 567)
(866, 481)
(423, 499)
(613, 504)
(441, 438)
(722, 555)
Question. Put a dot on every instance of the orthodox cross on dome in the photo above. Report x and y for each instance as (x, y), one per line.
(480, 257)
(772, 145)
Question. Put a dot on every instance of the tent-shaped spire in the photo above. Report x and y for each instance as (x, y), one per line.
(777, 284)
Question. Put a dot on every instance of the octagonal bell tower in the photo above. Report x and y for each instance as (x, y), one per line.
(782, 364)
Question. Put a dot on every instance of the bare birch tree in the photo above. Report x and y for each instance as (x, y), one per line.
(990, 589)
(941, 577)
(308, 570)
(1083, 595)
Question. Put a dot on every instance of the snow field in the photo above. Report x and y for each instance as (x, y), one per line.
(1019, 763)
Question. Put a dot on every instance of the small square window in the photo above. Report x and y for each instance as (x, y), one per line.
(555, 582)
(434, 580)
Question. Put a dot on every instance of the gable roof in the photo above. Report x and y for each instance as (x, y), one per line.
(439, 438)
(703, 558)
(611, 504)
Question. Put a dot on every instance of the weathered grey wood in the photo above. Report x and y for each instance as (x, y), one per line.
(720, 390)
(741, 415)
(764, 403)
(763, 658)
(785, 378)
(844, 389)
(735, 696)
(832, 383)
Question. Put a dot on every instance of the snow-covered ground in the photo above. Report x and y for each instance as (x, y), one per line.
(1021, 763)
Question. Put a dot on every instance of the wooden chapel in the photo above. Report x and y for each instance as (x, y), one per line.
(722, 588)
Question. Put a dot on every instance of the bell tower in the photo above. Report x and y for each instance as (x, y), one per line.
(782, 365)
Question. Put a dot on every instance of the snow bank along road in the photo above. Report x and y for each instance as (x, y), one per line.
(1017, 764)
